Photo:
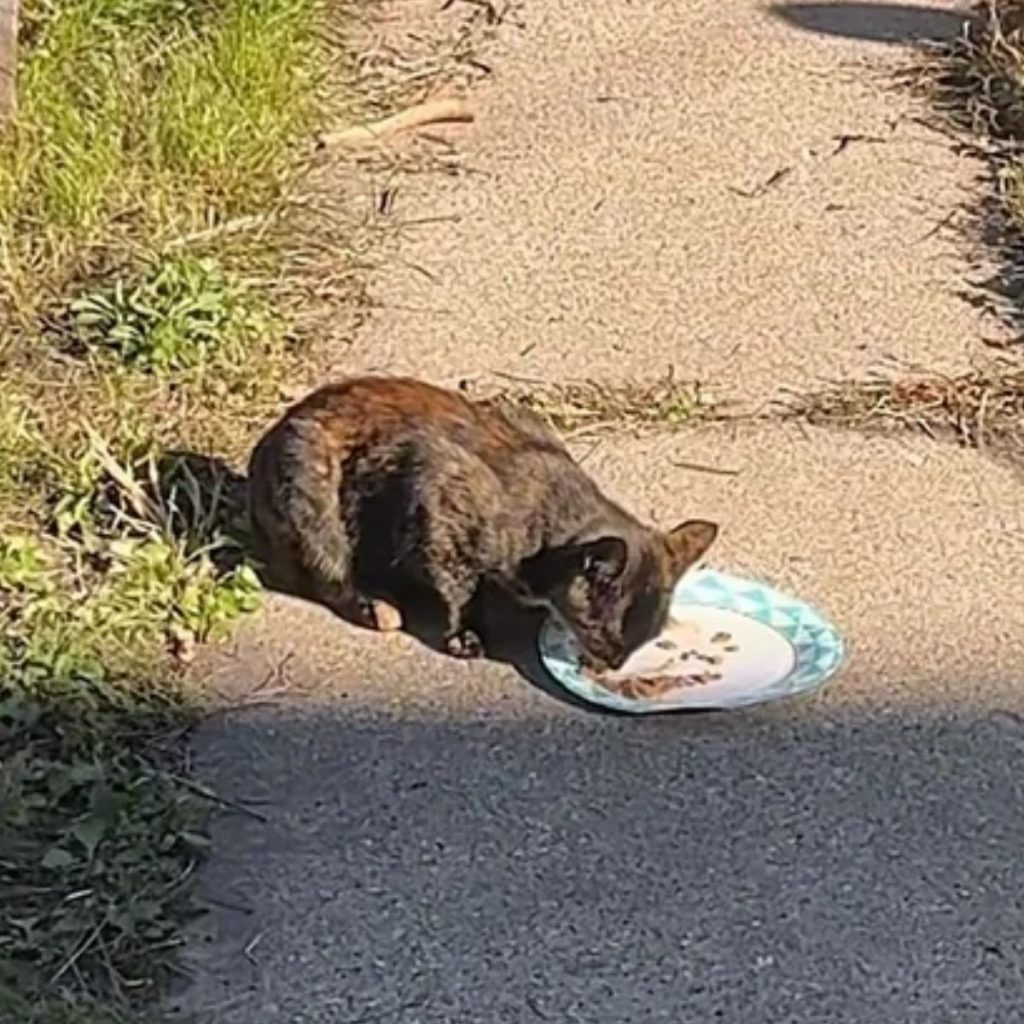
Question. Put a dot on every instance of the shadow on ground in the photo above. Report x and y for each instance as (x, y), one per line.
(998, 291)
(546, 865)
(898, 24)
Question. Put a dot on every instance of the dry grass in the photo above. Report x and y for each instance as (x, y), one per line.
(446, 57)
(974, 86)
(586, 408)
(983, 409)
(977, 81)
(398, 70)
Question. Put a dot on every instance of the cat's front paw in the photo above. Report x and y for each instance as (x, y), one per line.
(464, 644)
(370, 613)
(386, 617)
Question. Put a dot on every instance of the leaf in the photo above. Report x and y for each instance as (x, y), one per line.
(89, 832)
(57, 859)
(85, 771)
(195, 840)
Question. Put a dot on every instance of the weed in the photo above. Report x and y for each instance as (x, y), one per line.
(584, 407)
(98, 831)
(183, 314)
(982, 409)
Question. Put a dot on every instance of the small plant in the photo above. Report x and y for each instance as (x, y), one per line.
(96, 836)
(183, 314)
(23, 565)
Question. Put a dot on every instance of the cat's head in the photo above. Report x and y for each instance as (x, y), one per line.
(614, 591)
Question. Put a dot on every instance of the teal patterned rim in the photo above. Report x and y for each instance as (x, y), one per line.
(817, 646)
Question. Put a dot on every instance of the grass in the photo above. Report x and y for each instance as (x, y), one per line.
(136, 360)
(17, 1008)
(169, 246)
(144, 120)
(975, 86)
(983, 409)
(587, 408)
(978, 78)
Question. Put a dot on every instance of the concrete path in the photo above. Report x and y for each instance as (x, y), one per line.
(455, 843)
(701, 184)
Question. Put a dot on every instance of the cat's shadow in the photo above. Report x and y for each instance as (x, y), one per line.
(508, 630)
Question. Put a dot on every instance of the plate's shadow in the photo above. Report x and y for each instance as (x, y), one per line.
(511, 635)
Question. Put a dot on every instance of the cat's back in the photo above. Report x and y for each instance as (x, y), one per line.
(362, 414)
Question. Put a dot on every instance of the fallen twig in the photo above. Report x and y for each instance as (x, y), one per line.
(208, 794)
(436, 111)
(846, 139)
(769, 183)
(700, 467)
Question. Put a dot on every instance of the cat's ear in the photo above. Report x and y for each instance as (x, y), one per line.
(688, 542)
(603, 560)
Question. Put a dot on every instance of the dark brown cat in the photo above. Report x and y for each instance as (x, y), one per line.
(375, 476)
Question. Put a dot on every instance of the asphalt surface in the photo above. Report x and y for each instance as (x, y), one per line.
(789, 866)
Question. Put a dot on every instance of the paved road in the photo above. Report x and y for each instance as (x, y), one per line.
(450, 843)
(526, 862)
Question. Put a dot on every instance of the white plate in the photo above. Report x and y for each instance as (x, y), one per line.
(729, 643)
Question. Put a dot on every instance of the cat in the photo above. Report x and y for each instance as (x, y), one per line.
(376, 478)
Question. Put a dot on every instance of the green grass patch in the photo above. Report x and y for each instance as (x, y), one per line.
(135, 364)
(144, 120)
(181, 314)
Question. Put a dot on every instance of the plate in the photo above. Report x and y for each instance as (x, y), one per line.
(729, 643)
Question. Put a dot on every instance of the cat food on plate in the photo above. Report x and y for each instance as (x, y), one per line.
(728, 643)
